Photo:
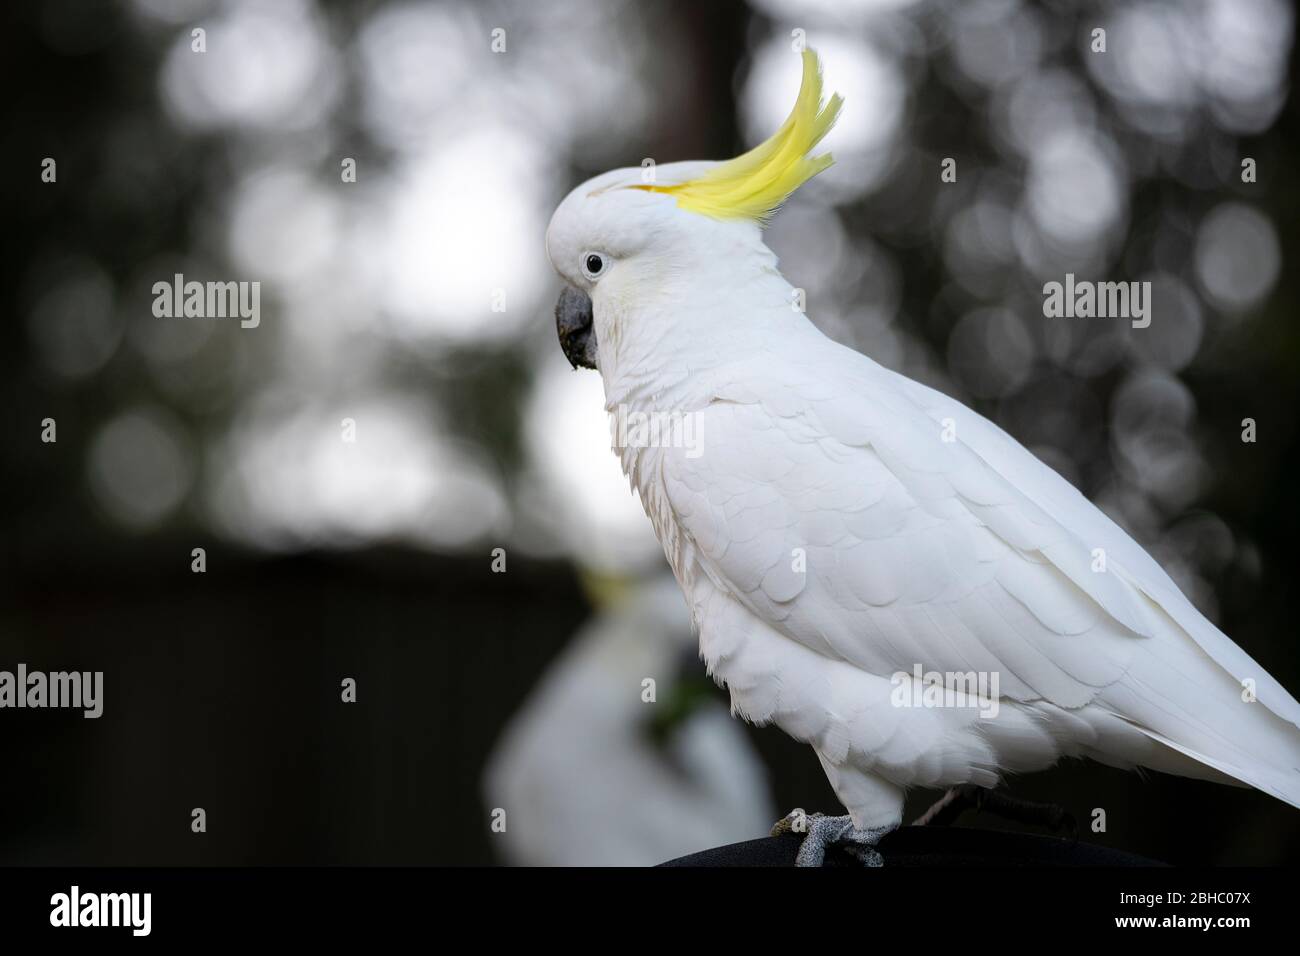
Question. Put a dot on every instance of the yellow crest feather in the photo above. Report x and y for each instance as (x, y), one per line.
(754, 185)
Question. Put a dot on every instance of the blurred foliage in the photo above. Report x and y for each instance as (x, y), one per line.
(1123, 165)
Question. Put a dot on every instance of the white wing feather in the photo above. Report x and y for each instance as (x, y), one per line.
(931, 537)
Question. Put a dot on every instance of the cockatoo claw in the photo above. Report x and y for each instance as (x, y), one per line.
(824, 831)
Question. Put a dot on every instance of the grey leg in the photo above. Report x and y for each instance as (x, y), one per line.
(823, 831)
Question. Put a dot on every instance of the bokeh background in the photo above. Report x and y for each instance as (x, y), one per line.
(382, 303)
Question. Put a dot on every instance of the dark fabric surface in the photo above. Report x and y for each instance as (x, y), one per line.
(929, 846)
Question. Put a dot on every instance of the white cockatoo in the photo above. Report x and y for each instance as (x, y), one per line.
(872, 566)
(580, 773)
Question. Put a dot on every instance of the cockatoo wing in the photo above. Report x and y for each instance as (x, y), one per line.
(881, 524)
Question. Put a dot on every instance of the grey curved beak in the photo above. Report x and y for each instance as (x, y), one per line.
(573, 323)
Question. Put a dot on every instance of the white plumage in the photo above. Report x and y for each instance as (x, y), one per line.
(843, 524)
(958, 556)
(577, 772)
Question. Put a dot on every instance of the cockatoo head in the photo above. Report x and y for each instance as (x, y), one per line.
(633, 237)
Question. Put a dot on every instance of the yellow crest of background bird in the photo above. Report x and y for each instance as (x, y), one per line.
(754, 185)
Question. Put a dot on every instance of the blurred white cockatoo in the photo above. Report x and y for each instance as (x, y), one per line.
(579, 771)
(872, 566)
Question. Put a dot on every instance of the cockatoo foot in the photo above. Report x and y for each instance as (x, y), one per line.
(824, 831)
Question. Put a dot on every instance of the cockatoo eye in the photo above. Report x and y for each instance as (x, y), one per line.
(593, 264)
